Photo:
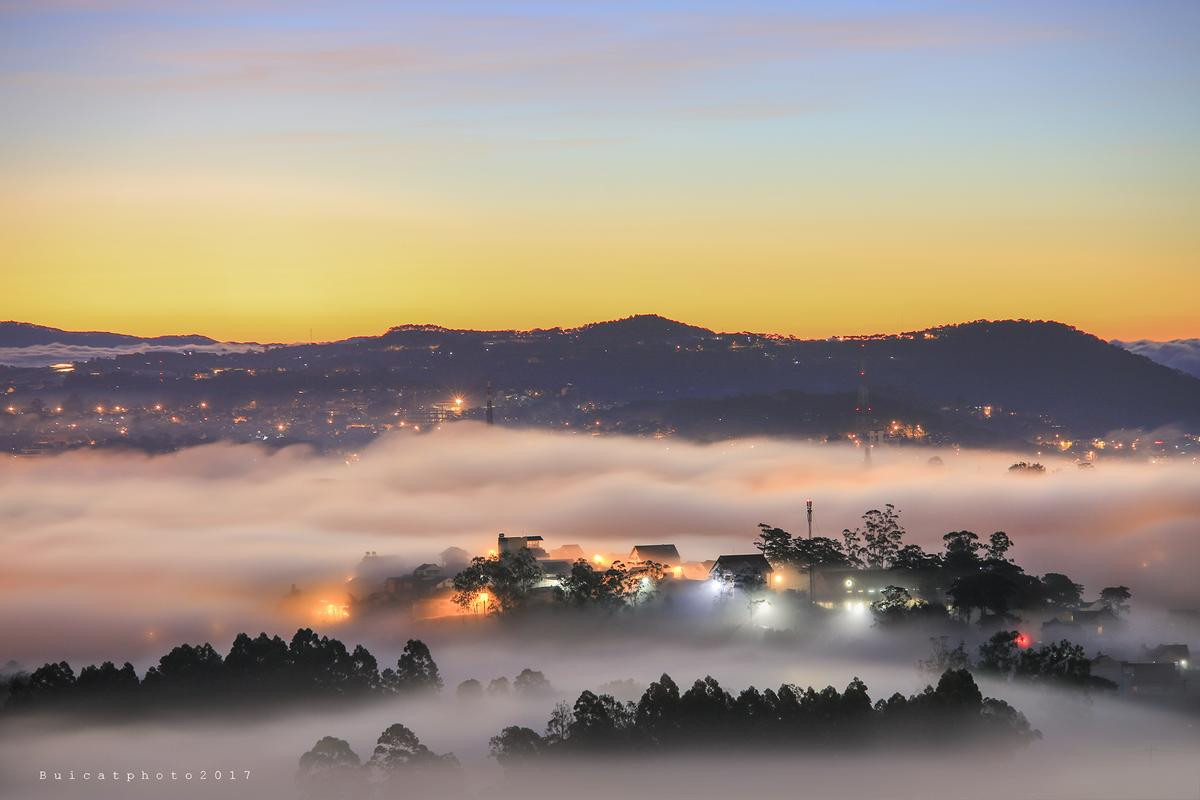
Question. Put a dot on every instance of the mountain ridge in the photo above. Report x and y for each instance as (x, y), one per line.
(14, 333)
(27, 334)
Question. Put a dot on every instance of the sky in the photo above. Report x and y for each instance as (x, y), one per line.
(277, 171)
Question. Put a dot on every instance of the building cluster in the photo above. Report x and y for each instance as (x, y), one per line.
(427, 591)
(344, 421)
(1164, 671)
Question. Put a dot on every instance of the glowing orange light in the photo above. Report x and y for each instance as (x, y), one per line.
(778, 579)
(332, 612)
(1023, 641)
(599, 559)
(678, 571)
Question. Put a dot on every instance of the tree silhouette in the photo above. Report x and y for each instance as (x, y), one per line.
(911, 557)
(532, 683)
(558, 727)
(955, 712)
(1061, 663)
(882, 536)
(399, 750)
(1116, 599)
(658, 712)
(1060, 591)
(596, 722)
(515, 745)
(780, 547)
(256, 671)
(330, 771)
(416, 671)
(505, 580)
(998, 546)
(187, 674)
(470, 689)
(944, 657)
(962, 550)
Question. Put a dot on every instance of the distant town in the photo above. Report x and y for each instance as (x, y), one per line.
(1043, 388)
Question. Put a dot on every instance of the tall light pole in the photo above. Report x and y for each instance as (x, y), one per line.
(812, 601)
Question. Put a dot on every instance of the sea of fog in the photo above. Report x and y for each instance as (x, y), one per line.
(1092, 748)
(121, 556)
(111, 556)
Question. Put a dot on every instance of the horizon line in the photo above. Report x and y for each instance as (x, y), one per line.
(569, 328)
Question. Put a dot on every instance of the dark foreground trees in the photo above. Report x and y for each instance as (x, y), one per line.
(706, 716)
(260, 671)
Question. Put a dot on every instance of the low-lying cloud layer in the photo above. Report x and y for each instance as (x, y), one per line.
(1096, 748)
(118, 555)
(43, 355)
(1180, 354)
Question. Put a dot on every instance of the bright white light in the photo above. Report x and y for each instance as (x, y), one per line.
(849, 582)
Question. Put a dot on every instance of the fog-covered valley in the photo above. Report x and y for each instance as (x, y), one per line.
(121, 557)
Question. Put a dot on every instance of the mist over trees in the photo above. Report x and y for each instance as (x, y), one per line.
(1011, 656)
(975, 575)
(1061, 663)
(400, 765)
(667, 719)
(970, 579)
(256, 672)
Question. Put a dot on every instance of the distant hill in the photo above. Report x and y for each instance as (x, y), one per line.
(1033, 367)
(641, 329)
(1035, 375)
(24, 334)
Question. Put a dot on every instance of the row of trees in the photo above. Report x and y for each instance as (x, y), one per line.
(976, 575)
(1011, 656)
(879, 544)
(503, 583)
(995, 592)
(400, 763)
(527, 683)
(259, 670)
(706, 716)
